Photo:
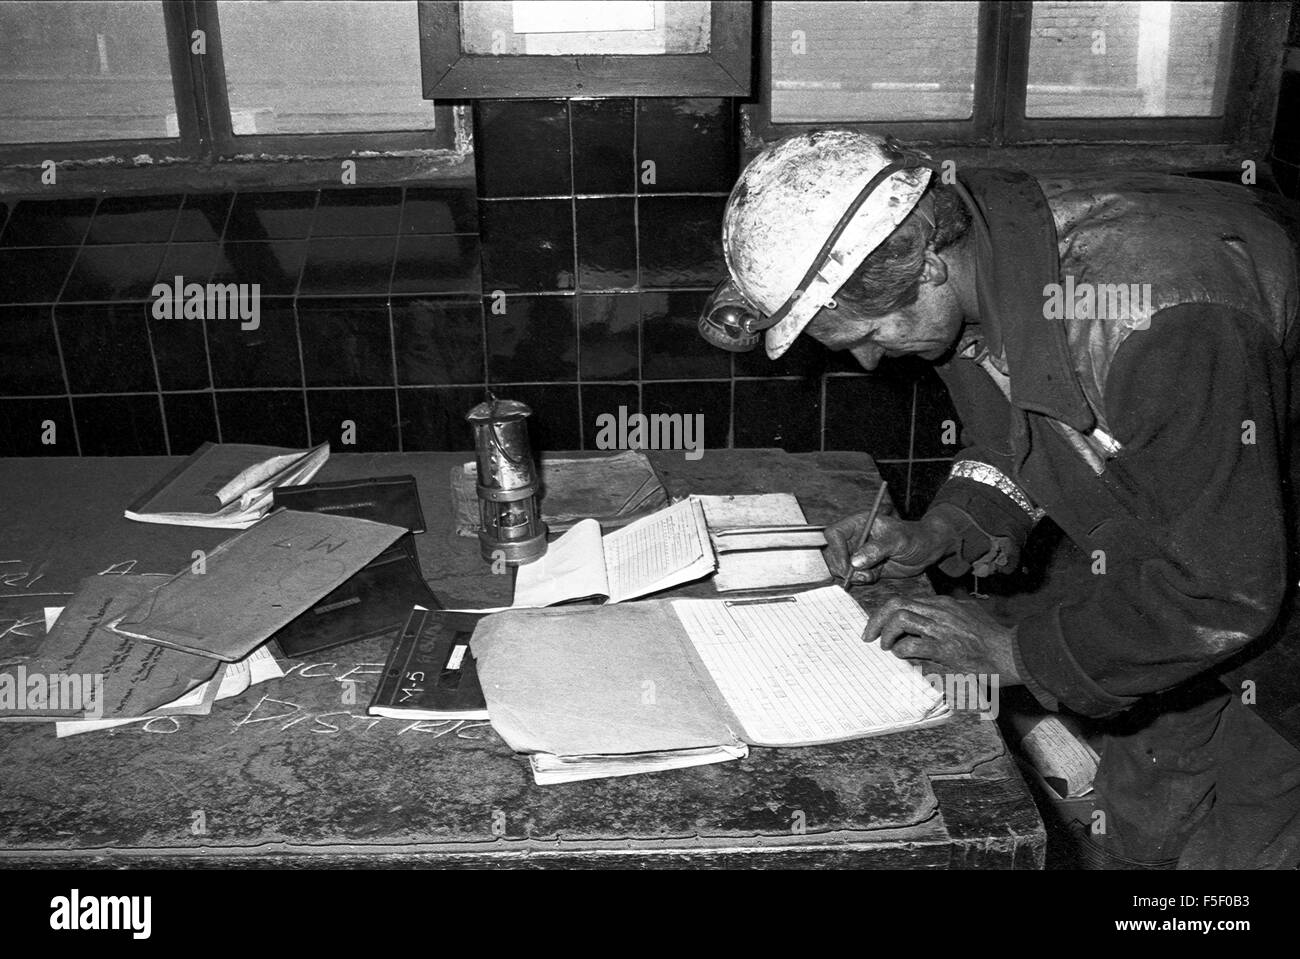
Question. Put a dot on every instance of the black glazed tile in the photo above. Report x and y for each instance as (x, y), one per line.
(434, 419)
(937, 428)
(180, 350)
(842, 361)
(353, 421)
(348, 266)
(607, 244)
(869, 413)
(1288, 178)
(106, 347)
(681, 240)
(671, 347)
(346, 342)
(191, 421)
(29, 353)
(782, 413)
(261, 357)
(270, 216)
(48, 222)
(270, 417)
(709, 400)
(192, 262)
(34, 275)
(437, 264)
(134, 219)
(358, 212)
(604, 160)
(128, 425)
(527, 245)
(4, 217)
(535, 339)
(805, 357)
(895, 474)
(107, 273)
(690, 143)
(438, 342)
(1286, 139)
(554, 424)
(203, 217)
(450, 209)
(609, 332)
(273, 266)
(925, 483)
(27, 422)
(614, 401)
(522, 147)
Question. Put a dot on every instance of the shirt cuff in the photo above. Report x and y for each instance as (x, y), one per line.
(991, 514)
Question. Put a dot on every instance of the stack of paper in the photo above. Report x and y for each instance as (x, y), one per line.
(138, 646)
(226, 485)
(673, 546)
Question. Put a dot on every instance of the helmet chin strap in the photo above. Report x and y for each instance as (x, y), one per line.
(909, 160)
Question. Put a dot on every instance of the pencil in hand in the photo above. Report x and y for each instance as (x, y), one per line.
(862, 537)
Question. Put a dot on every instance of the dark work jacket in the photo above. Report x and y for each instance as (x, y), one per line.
(1157, 437)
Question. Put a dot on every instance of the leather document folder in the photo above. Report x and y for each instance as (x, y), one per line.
(375, 601)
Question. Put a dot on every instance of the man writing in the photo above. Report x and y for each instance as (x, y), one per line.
(1118, 350)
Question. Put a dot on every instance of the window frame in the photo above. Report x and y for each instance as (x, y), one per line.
(999, 120)
(207, 140)
(724, 71)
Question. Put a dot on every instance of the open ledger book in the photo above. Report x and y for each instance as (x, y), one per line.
(663, 549)
(677, 545)
(592, 692)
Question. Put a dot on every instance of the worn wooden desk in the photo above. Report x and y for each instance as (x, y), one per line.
(294, 773)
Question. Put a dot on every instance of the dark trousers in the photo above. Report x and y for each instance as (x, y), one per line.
(1195, 779)
(1191, 778)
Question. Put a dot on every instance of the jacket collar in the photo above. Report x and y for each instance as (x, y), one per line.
(1016, 258)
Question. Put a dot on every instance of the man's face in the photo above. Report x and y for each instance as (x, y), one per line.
(927, 328)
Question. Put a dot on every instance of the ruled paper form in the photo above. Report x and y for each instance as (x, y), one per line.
(794, 669)
(660, 550)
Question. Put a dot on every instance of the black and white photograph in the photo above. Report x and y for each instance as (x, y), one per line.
(831, 444)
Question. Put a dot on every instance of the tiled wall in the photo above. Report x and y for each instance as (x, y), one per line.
(569, 277)
(601, 228)
(367, 296)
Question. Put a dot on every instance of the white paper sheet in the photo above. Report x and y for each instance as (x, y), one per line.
(573, 568)
(664, 549)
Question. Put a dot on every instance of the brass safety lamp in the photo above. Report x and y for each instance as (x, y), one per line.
(510, 516)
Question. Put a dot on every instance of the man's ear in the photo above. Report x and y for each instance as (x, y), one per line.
(934, 271)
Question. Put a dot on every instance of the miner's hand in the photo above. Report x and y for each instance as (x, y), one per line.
(895, 548)
(954, 636)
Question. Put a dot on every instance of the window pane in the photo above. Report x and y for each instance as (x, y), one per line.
(873, 61)
(568, 27)
(310, 67)
(1149, 59)
(84, 71)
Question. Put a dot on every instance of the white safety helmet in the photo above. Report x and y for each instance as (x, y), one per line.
(787, 250)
